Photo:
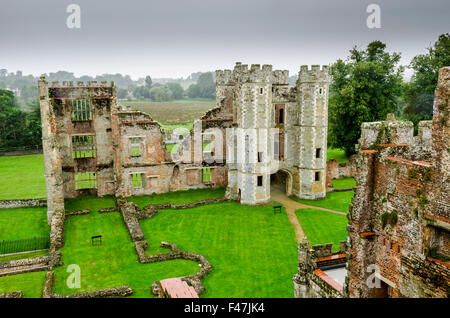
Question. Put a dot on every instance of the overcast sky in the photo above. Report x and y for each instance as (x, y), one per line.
(173, 38)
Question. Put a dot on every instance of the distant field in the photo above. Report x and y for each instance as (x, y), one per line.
(178, 113)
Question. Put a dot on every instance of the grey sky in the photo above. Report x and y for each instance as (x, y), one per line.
(173, 38)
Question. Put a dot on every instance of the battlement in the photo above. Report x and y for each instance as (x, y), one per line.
(255, 74)
(315, 74)
(81, 84)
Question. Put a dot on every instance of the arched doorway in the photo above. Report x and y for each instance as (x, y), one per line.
(281, 181)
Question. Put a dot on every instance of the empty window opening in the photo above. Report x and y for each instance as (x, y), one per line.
(320, 91)
(276, 147)
(260, 181)
(83, 147)
(281, 118)
(81, 110)
(261, 90)
(318, 150)
(85, 180)
(135, 146)
(317, 176)
(260, 156)
(136, 180)
(206, 175)
(247, 149)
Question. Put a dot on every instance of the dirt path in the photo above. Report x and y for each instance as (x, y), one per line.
(291, 206)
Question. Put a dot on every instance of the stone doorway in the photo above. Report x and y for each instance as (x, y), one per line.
(281, 181)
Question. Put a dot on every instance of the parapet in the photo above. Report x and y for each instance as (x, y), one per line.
(315, 74)
(55, 84)
(390, 131)
(255, 74)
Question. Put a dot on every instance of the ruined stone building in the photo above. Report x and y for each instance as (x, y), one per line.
(280, 130)
(93, 146)
(399, 219)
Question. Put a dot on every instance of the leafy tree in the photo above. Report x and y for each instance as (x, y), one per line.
(141, 92)
(161, 94)
(193, 91)
(122, 93)
(148, 81)
(419, 92)
(176, 89)
(206, 85)
(364, 88)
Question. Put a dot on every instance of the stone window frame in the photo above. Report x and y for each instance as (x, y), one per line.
(81, 110)
(260, 156)
(83, 146)
(136, 145)
(318, 153)
(207, 175)
(260, 181)
(317, 176)
(85, 180)
(137, 180)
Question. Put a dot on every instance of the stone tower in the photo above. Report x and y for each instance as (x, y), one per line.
(311, 132)
(279, 132)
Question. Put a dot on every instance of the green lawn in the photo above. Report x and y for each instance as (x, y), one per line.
(252, 250)
(115, 262)
(30, 283)
(178, 197)
(89, 202)
(323, 227)
(344, 183)
(23, 256)
(338, 201)
(22, 177)
(23, 223)
(337, 154)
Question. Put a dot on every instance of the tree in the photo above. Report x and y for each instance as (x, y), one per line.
(148, 81)
(141, 92)
(419, 92)
(122, 93)
(193, 91)
(364, 88)
(161, 94)
(176, 89)
(206, 85)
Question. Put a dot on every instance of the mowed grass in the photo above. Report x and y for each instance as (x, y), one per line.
(23, 223)
(338, 201)
(178, 197)
(30, 284)
(174, 114)
(323, 227)
(22, 177)
(344, 183)
(252, 250)
(337, 154)
(112, 264)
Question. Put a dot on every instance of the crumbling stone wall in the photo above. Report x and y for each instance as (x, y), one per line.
(310, 281)
(338, 170)
(114, 292)
(399, 219)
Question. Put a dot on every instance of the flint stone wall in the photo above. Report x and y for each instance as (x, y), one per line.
(16, 294)
(23, 203)
(114, 292)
